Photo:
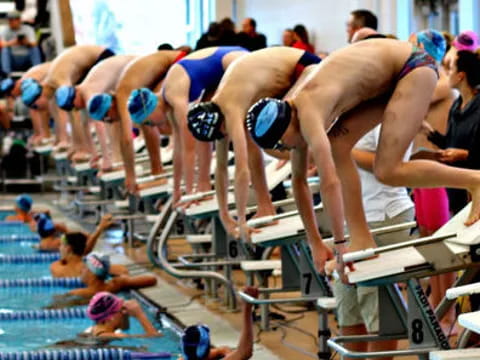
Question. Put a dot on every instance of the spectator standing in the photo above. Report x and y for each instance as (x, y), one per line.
(288, 37)
(359, 19)
(301, 38)
(19, 47)
(210, 38)
(249, 38)
(228, 36)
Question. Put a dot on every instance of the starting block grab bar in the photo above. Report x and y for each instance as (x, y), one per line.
(458, 291)
(268, 219)
(367, 253)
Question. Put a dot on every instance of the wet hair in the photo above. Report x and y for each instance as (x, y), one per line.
(77, 241)
(366, 18)
(469, 63)
(302, 33)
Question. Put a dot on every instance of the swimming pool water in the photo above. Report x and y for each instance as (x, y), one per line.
(4, 214)
(27, 335)
(15, 229)
(24, 271)
(18, 248)
(28, 298)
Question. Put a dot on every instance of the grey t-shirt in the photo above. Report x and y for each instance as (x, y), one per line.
(9, 34)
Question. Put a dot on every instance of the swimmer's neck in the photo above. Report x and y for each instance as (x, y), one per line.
(72, 259)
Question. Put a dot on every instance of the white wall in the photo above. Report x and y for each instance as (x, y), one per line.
(325, 19)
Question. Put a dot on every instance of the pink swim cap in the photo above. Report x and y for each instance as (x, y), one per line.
(103, 306)
(467, 40)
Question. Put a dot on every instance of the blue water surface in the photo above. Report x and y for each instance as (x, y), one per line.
(27, 335)
(24, 271)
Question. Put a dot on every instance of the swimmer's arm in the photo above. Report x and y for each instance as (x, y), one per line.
(242, 171)
(244, 349)
(364, 159)
(186, 144)
(126, 142)
(330, 187)
(221, 182)
(123, 282)
(82, 292)
(147, 325)
(152, 143)
(303, 196)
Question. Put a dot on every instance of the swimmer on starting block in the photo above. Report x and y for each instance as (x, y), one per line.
(40, 118)
(193, 78)
(68, 69)
(364, 84)
(145, 72)
(222, 120)
(95, 94)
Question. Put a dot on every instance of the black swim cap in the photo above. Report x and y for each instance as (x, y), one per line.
(267, 120)
(205, 120)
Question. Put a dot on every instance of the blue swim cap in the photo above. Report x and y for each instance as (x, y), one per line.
(6, 86)
(45, 226)
(267, 120)
(99, 265)
(196, 342)
(141, 103)
(204, 121)
(433, 42)
(64, 97)
(24, 202)
(98, 106)
(31, 91)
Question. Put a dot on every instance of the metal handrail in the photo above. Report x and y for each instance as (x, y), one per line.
(332, 343)
(162, 261)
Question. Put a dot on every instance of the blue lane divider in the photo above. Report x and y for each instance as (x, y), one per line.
(29, 258)
(78, 312)
(42, 282)
(5, 238)
(11, 223)
(82, 354)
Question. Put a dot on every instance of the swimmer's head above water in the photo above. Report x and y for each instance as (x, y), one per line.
(205, 121)
(103, 306)
(195, 342)
(267, 121)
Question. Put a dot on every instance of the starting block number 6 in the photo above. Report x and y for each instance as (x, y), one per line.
(233, 249)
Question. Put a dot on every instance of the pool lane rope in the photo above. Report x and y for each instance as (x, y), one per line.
(79, 312)
(29, 258)
(82, 354)
(42, 282)
(8, 238)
